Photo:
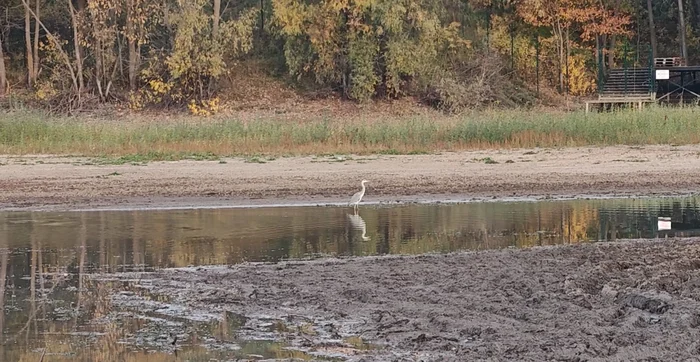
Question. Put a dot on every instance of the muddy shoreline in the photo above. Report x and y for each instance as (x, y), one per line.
(630, 300)
(65, 183)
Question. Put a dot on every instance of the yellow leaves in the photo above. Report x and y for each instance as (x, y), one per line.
(237, 35)
(364, 4)
(45, 90)
(204, 108)
(160, 87)
(187, 73)
(155, 92)
(136, 101)
(336, 6)
(290, 15)
(591, 15)
(453, 39)
(581, 80)
(193, 107)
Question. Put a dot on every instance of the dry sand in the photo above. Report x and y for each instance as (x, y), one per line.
(49, 182)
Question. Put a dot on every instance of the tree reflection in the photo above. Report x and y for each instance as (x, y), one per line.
(81, 268)
(3, 282)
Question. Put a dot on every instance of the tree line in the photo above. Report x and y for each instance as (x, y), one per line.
(68, 54)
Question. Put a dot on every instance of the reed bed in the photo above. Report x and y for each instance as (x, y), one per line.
(33, 133)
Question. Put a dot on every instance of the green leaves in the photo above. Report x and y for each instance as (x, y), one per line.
(362, 46)
(198, 57)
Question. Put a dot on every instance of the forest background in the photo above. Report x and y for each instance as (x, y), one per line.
(200, 55)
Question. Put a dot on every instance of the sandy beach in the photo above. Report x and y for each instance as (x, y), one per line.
(62, 183)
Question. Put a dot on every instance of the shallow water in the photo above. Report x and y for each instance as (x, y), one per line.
(50, 306)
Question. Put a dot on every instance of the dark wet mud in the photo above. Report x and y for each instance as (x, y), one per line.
(630, 300)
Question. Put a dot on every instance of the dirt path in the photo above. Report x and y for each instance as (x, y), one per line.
(625, 301)
(45, 182)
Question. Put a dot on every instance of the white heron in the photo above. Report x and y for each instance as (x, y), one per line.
(355, 200)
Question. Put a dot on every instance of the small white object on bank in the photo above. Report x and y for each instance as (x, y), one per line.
(664, 223)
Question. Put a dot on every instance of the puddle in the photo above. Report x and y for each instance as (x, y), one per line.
(51, 308)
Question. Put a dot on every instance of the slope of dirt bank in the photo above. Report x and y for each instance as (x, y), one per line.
(637, 300)
(44, 182)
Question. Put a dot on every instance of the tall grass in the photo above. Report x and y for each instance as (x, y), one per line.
(31, 133)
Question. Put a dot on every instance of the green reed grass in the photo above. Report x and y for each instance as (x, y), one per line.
(32, 133)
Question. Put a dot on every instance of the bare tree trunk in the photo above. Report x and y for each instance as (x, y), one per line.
(613, 39)
(611, 51)
(603, 45)
(131, 40)
(98, 69)
(652, 30)
(99, 58)
(681, 18)
(28, 42)
(76, 42)
(59, 47)
(37, 31)
(216, 17)
(3, 77)
(141, 35)
(559, 34)
(169, 25)
(566, 61)
(120, 58)
(132, 64)
(600, 69)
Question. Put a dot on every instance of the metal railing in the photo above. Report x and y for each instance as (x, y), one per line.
(631, 67)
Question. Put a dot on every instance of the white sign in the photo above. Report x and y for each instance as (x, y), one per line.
(662, 74)
(664, 223)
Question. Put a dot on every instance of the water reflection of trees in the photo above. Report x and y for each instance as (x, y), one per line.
(24, 314)
(136, 240)
(4, 251)
(53, 312)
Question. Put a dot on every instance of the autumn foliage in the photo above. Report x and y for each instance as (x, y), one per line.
(72, 54)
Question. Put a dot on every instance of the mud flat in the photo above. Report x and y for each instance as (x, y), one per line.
(632, 300)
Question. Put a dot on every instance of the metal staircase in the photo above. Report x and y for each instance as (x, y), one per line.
(627, 83)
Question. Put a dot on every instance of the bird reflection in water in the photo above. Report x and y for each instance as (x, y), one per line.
(359, 224)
